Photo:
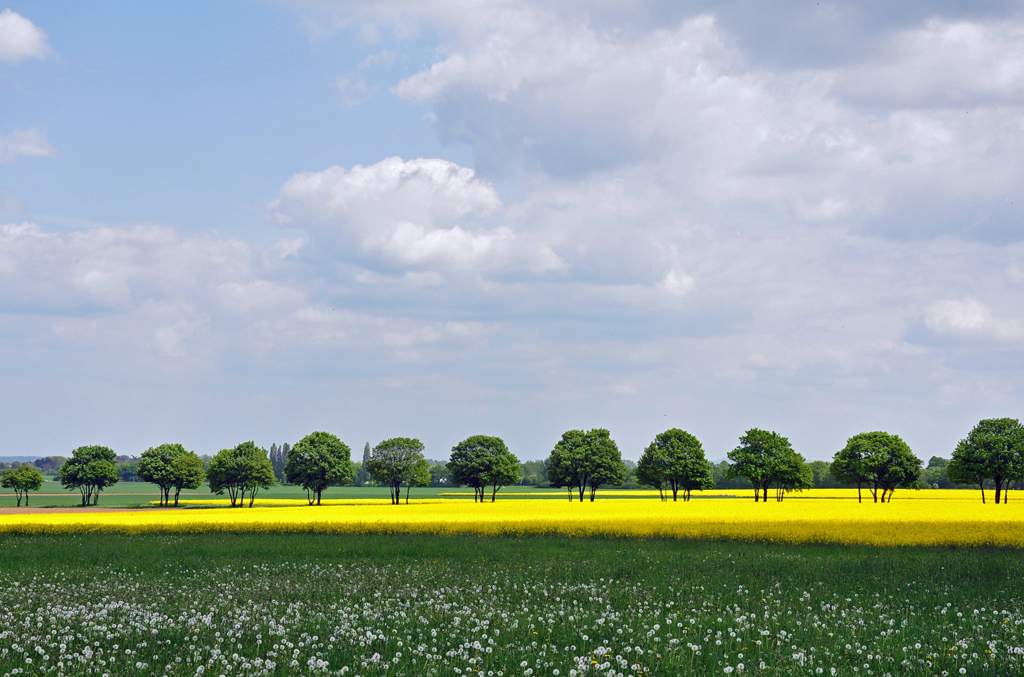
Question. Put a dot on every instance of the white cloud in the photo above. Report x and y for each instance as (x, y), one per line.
(22, 143)
(969, 318)
(943, 63)
(681, 107)
(20, 38)
(149, 291)
(365, 200)
(408, 213)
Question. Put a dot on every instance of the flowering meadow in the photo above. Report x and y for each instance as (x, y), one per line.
(940, 521)
(279, 604)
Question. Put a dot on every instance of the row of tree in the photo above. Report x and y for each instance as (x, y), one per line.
(581, 462)
(878, 461)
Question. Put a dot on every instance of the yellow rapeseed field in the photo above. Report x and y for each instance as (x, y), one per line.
(906, 522)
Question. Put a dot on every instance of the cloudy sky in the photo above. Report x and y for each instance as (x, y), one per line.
(252, 220)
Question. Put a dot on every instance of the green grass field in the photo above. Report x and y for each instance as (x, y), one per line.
(423, 605)
(139, 494)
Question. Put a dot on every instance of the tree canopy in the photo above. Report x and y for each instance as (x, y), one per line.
(880, 460)
(766, 458)
(243, 469)
(187, 472)
(585, 460)
(479, 461)
(394, 462)
(157, 465)
(675, 459)
(90, 470)
(319, 460)
(23, 479)
(993, 450)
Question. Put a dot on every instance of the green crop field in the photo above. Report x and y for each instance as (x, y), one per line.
(140, 494)
(222, 604)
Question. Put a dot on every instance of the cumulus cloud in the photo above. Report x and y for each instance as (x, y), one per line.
(23, 143)
(149, 292)
(407, 213)
(943, 63)
(20, 38)
(873, 144)
(968, 318)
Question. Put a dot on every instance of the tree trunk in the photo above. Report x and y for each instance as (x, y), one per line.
(177, 492)
(675, 491)
(757, 494)
(319, 495)
(766, 493)
(982, 485)
(858, 493)
(999, 489)
(583, 491)
(96, 498)
(569, 489)
(494, 494)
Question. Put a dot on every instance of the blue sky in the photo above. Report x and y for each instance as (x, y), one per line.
(252, 220)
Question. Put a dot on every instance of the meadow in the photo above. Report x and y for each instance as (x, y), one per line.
(321, 604)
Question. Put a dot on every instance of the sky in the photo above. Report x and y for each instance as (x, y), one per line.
(240, 221)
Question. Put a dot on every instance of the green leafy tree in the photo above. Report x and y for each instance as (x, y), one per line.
(420, 477)
(128, 471)
(792, 473)
(879, 460)
(821, 472)
(155, 467)
(440, 475)
(761, 457)
(993, 450)
(49, 465)
(244, 469)
(90, 470)
(187, 472)
(848, 463)
(724, 479)
(394, 462)
(650, 470)
(318, 461)
(675, 459)
(481, 461)
(534, 474)
(278, 458)
(23, 479)
(585, 460)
